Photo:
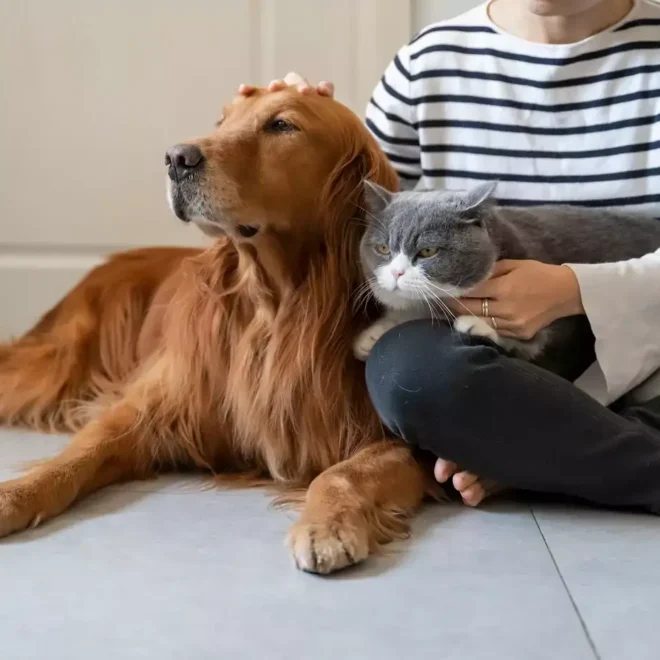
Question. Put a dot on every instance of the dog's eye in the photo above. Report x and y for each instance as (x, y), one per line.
(425, 253)
(247, 231)
(383, 249)
(280, 126)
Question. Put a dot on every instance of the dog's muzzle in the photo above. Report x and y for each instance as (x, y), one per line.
(183, 160)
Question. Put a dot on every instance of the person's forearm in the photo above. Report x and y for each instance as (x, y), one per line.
(569, 296)
(622, 302)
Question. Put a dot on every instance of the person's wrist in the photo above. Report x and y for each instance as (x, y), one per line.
(570, 298)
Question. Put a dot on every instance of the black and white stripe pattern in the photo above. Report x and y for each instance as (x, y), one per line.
(577, 123)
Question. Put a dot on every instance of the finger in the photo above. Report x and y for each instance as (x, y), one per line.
(505, 266)
(293, 78)
(306, 88)
(470, 306)
(326, 88)
(474, 495)
(494, 308)
(463, 480)
(443, 470)
(489, 289)
(246, 90)
(492, 287)
(502, 325)
(276, 85)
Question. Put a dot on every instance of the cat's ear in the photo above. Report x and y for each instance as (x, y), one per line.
(478, 195)
(376, 198)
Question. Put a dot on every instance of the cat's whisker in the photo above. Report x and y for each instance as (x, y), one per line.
(364, 285)
(446, 309)
(369, 213)
(363, 294)
(449, 315)
(454, 298)
(373, 219)
(428, 290)
(424, 295)
(361, 301)
(418, 289)
(428, 304)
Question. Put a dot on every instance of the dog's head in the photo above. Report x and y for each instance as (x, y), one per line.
(277, 163)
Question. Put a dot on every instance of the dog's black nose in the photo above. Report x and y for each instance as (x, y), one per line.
(182, 160)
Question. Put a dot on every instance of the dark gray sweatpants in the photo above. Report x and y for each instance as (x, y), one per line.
(462, 399)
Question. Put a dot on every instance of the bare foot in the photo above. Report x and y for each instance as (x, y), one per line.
(472, 488)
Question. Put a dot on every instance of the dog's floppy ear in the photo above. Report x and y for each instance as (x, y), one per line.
(364, 161)
(378, 168)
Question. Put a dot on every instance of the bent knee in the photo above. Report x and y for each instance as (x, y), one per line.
(423, 370)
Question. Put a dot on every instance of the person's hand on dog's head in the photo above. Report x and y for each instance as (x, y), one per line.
(324, 88)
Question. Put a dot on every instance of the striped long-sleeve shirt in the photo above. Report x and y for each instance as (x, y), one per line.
(571, 123)
(576, 123)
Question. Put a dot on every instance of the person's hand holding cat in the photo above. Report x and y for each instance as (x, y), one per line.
(524, 297)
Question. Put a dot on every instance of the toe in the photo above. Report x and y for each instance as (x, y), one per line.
(464, 480)
(474, 495)
(443, 470)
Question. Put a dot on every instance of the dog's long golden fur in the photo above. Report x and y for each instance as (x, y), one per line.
(233, 359)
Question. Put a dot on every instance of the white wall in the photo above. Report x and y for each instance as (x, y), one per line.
(94, 91)
(431, 11)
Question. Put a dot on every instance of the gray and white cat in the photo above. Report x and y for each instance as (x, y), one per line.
(422, 246)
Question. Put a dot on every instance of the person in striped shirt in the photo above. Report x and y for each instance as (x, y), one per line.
(558, 100)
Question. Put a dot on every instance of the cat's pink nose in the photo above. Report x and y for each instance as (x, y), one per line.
(398, 273)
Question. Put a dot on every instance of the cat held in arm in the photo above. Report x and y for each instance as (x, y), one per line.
(236, 359)
(423, 248)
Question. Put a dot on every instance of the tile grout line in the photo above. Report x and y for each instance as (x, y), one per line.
(568, 591)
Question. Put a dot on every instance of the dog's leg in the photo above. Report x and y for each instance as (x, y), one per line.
(102, 453)
(356, 505)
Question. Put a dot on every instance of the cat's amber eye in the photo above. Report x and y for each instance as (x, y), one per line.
(383, 249)
(425, 253)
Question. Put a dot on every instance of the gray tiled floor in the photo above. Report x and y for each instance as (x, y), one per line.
(165, 570)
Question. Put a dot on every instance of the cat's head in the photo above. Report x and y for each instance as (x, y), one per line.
(424, 245)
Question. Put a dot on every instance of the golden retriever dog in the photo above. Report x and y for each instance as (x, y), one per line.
(235, 359)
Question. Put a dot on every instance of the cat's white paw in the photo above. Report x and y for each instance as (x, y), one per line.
(366, 340)
(475, 325)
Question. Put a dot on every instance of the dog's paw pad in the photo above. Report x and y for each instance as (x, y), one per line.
(327, 547)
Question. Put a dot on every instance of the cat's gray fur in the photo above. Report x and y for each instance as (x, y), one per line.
(472, 233)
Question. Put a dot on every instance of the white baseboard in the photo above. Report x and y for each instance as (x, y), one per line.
(32, 283)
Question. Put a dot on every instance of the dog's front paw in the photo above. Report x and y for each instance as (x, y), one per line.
(477, 326)
(325, 547)
(15, 514)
